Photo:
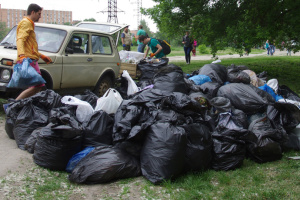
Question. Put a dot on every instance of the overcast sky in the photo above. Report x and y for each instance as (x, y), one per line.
(83, 9)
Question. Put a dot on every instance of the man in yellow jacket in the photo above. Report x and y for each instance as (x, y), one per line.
(27, 46)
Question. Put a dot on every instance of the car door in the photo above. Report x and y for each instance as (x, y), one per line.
(78, 70)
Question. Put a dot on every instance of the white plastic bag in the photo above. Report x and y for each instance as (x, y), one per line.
(109, 102)
(84, 110)
(273, 83)
(132, 88)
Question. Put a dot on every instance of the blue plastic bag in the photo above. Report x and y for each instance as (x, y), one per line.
(25, 76)
(200, 79)
(77, 157)
(269, 90)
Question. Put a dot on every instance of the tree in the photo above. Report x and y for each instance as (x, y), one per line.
(236, 23)
(3, 30)
(68, 23)
(89, 20)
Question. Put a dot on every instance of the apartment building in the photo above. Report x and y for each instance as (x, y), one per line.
(12, 16)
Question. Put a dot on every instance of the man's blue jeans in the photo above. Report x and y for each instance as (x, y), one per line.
(141, 48)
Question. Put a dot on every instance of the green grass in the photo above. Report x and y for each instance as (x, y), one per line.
(178, 51)
(285, 69)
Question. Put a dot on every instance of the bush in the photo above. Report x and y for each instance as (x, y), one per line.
(203, 49)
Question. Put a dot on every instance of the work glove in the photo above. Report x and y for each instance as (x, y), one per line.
(152, 55)
(131, 44)
(46, 59)
(124, 45)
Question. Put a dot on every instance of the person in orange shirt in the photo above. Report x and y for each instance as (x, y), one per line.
(27, 46)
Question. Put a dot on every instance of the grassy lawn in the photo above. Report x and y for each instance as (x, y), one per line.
(274, 180)
(178, 51)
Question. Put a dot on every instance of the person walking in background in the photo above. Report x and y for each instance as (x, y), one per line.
(187, 41)
(27, 46)
(272, 50)
(194, 47)
(268, 47)
(126, 39)
(154, 45)
(141, 46)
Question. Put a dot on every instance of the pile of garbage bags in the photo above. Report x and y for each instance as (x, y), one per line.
(212, 119)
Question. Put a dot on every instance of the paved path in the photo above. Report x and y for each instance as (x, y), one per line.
(209, 57)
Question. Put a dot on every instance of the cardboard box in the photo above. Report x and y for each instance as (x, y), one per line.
(131, 69)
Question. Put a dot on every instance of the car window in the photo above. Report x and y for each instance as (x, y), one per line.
(79, 43)
(48, 39)
(101, 45)
(100, 27)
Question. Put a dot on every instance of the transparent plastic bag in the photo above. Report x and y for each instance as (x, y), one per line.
(110, 101)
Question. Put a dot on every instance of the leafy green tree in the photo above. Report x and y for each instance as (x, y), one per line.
(3, 30)
(89, 20)
(237, 23)
(68, 24)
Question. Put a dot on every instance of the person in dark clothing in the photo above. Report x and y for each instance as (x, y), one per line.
(188, 46)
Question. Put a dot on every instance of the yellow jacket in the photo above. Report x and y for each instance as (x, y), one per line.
(26, 39)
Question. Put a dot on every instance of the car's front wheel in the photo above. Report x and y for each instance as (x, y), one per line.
(103, 85)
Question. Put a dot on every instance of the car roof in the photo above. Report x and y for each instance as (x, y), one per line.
(68, 28)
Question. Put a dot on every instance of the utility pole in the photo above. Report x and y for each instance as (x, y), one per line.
(112, 11)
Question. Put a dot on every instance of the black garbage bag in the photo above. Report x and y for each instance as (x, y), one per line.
(148, 69)
(183, 104)
(246, 97)
(43, 102)
(136, 114)
(122, 87)
(229, 143)
(170, 79)
(163, 153)
(198, 153)
(98, 130)
(56, 145)
(170, 116)
(266, 148)
(216, 72)
(65, 115)
(104, 164)
(235, 74)
(222, 104)
(9, 126)
(200, 98)
(31, 141)
(287, 93)
(293, 142)
(30, 118)
(284, 114)
(89, 97)
(210, 89)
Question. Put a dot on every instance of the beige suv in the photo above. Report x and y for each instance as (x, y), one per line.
(82, 57)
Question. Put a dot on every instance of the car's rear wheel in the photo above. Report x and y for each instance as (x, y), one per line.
(103, 85)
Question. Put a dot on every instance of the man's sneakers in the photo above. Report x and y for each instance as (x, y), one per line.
(5, 106)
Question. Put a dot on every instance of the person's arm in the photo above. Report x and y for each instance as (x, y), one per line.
(22, 36)
(146, 53)
(183, 41)
(159, 48)
(122, 38)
